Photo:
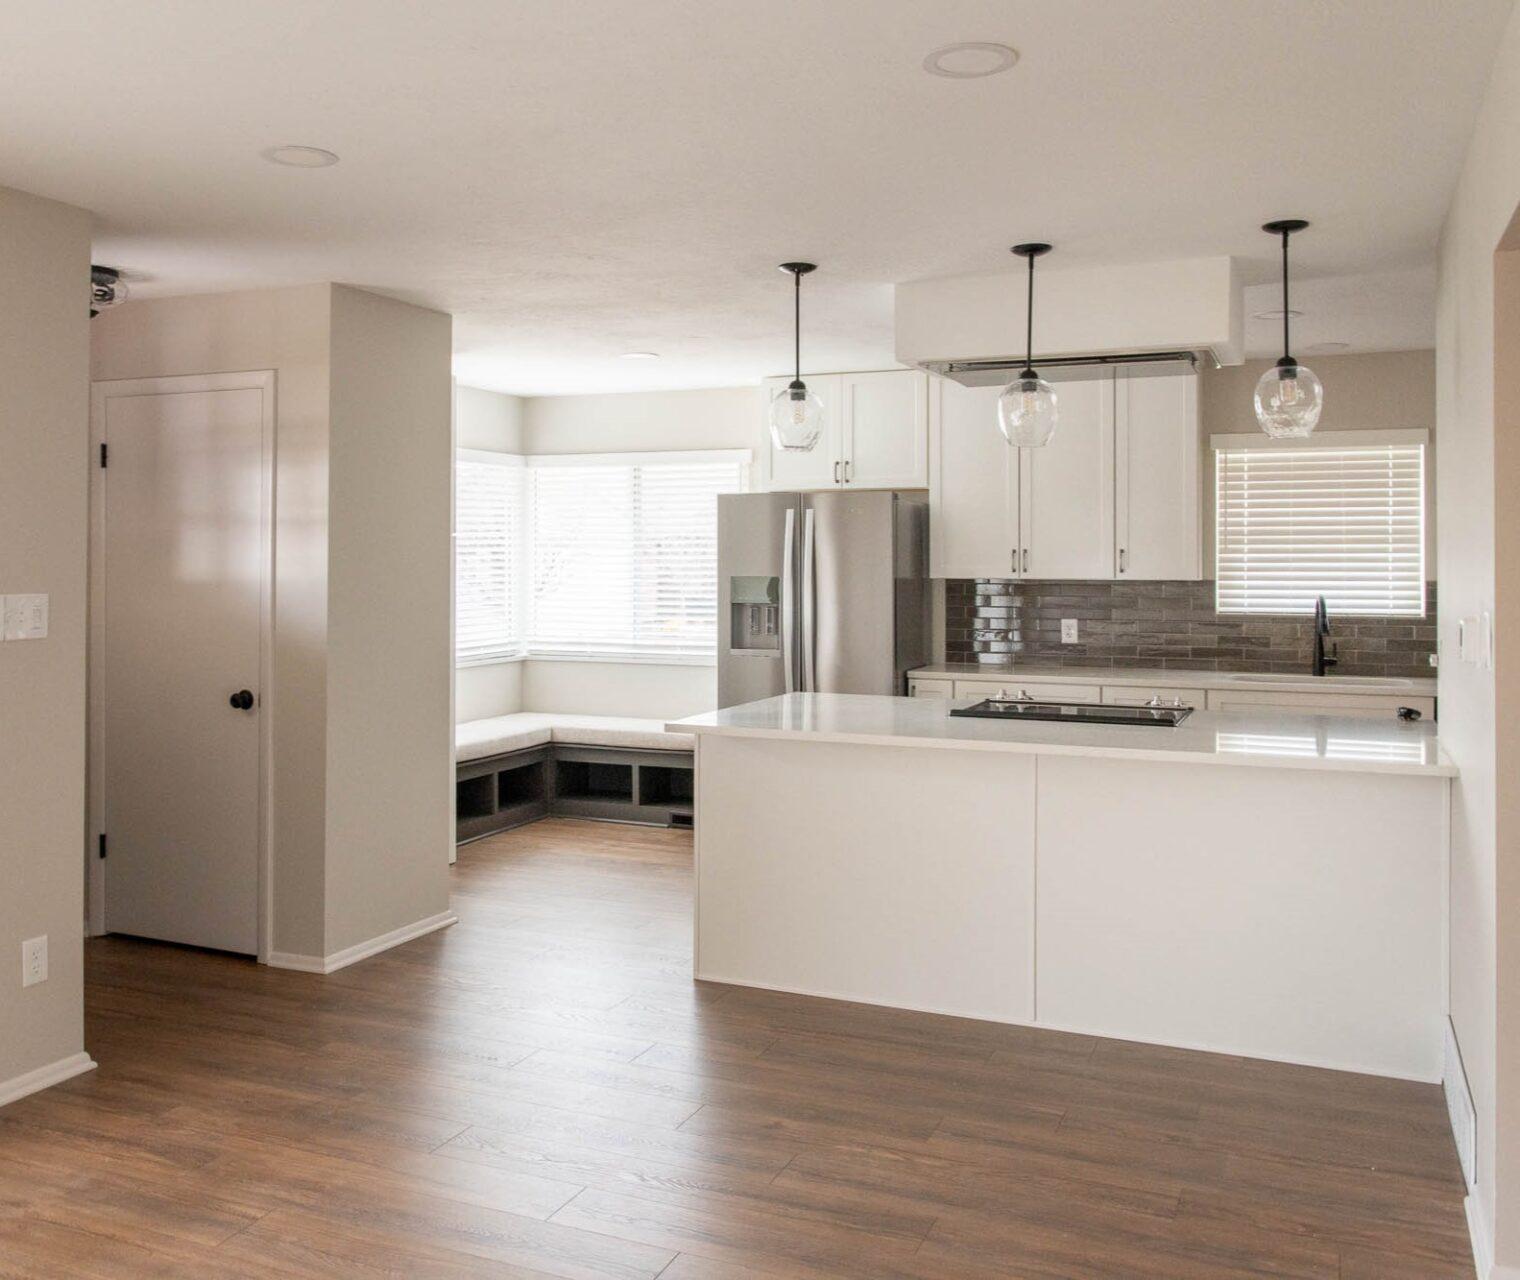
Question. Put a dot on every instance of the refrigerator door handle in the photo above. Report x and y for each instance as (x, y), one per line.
(788, 598)
(809, 647)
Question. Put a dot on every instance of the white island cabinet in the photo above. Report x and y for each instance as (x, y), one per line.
(1258, 884)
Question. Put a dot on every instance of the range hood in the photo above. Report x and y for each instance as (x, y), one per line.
(1144, 318)
(1140, 364)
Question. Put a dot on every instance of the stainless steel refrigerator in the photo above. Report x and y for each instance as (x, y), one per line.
(821, 592)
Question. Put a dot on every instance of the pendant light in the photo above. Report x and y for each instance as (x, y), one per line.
(1027, 408)
(796, 413)
(1288, 397)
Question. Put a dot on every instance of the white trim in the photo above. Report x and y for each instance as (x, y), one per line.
(45, 1077)
(743, 457)
(1481, 1241)
(360, 950)
(622, 657)
(264, 381)
(1237, 442)
(492, 457)
(491, 660)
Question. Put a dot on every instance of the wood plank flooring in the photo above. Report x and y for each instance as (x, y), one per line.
(542, 1091)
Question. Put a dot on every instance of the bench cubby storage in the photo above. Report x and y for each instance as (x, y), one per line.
(609, 784)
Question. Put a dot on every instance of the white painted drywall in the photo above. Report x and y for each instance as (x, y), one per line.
(723, 419)
(390, 740)
(44, 444)
(493, 421)
(1485, 899)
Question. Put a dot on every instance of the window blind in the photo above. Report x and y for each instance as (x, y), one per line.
(624, 554)
(488, 557)
(1344, 521)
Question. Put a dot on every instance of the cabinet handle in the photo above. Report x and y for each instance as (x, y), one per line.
(1014, 558)
(849, 464)
(1026, 559)
(1121, 559)
(836, 471)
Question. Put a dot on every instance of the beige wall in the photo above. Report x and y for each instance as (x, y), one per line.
(390, 771)
(44, 474)
(286, 330)
(1376, 391)
(1478, 501)
(361, 542)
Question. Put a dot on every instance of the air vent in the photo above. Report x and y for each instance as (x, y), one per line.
(1142, 364)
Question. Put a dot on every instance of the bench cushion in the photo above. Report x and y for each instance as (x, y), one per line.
(497, 735)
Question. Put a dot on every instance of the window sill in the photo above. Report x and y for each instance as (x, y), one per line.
(493, 661)
(629, 659)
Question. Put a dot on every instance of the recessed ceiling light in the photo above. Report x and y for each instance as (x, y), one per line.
(639, 355)
(300, 157)
(1293, 314)
(970, 59)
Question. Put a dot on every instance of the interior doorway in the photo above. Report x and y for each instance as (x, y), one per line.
(180, 641)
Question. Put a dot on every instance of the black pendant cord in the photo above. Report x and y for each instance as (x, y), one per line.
(1287, 349)
(797, 324)
(1029, 325)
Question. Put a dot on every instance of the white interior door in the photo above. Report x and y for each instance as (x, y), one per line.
(181, 582)
(1067, 500)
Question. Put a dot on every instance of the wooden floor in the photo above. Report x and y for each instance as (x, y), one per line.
(541, 1091)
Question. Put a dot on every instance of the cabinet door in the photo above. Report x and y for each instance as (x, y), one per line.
(1373, 706)
(1156, 527)
(1138, 695)
(822, 466)
(973, 485)
(1066, 499)
(1055, 690)
(886, 429)
(930, 688)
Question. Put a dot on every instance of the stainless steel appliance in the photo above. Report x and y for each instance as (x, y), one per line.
(1022, 706)
(821, 592)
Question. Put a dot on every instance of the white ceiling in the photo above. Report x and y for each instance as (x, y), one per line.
(577, 178)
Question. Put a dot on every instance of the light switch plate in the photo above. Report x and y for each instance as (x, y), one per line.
(25, 616)
(1068, 631)
(34, 964)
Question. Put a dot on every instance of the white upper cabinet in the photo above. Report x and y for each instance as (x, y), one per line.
(1066, 510)
(1157, 532)
(886, 429)
(822, 466)
(1114, 495)
(973, 485)
(875, 434)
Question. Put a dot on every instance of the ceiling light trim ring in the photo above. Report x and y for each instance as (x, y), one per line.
(1005, 58)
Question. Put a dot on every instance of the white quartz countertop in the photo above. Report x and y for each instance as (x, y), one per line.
(1266, 739)
(1172, 678)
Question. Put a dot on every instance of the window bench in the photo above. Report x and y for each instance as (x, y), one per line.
(514, 769)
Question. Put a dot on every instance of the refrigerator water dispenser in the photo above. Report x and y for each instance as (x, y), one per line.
(756, 606)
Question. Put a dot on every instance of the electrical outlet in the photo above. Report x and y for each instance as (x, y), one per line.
(25, 617)
(1068, 631)
(34, 961)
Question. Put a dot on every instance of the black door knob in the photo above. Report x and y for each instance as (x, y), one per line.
(242, 700)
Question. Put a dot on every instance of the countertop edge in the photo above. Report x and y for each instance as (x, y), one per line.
(1445, 770)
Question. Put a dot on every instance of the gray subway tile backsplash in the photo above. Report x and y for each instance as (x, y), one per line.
(1170, 624)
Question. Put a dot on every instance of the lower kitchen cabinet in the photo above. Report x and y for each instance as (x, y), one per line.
(931, 688)
(1379, 705)
(1057, 690)
(1137, 695)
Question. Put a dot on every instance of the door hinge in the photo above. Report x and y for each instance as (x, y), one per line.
(102, 844)
(104, 449)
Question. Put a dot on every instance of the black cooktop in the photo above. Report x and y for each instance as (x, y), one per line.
(1156, 713)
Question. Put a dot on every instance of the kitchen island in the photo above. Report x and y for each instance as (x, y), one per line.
(1260, 884)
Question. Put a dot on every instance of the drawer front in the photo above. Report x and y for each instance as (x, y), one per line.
(930, 688)
(1137, 695)
(1056, 691)
(1379, 706)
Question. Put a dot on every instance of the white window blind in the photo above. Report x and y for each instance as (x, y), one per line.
(488, 557)
(1337, 518)
(624, 553)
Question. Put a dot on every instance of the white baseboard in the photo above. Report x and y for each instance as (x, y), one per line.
(360, 950)
(44, 1077)
(1478, 1237)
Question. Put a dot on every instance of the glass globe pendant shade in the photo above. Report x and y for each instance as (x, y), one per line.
(796, 418)
(1027, 411)
(1288, 401)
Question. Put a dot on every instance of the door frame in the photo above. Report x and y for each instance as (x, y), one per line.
(262, 380)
